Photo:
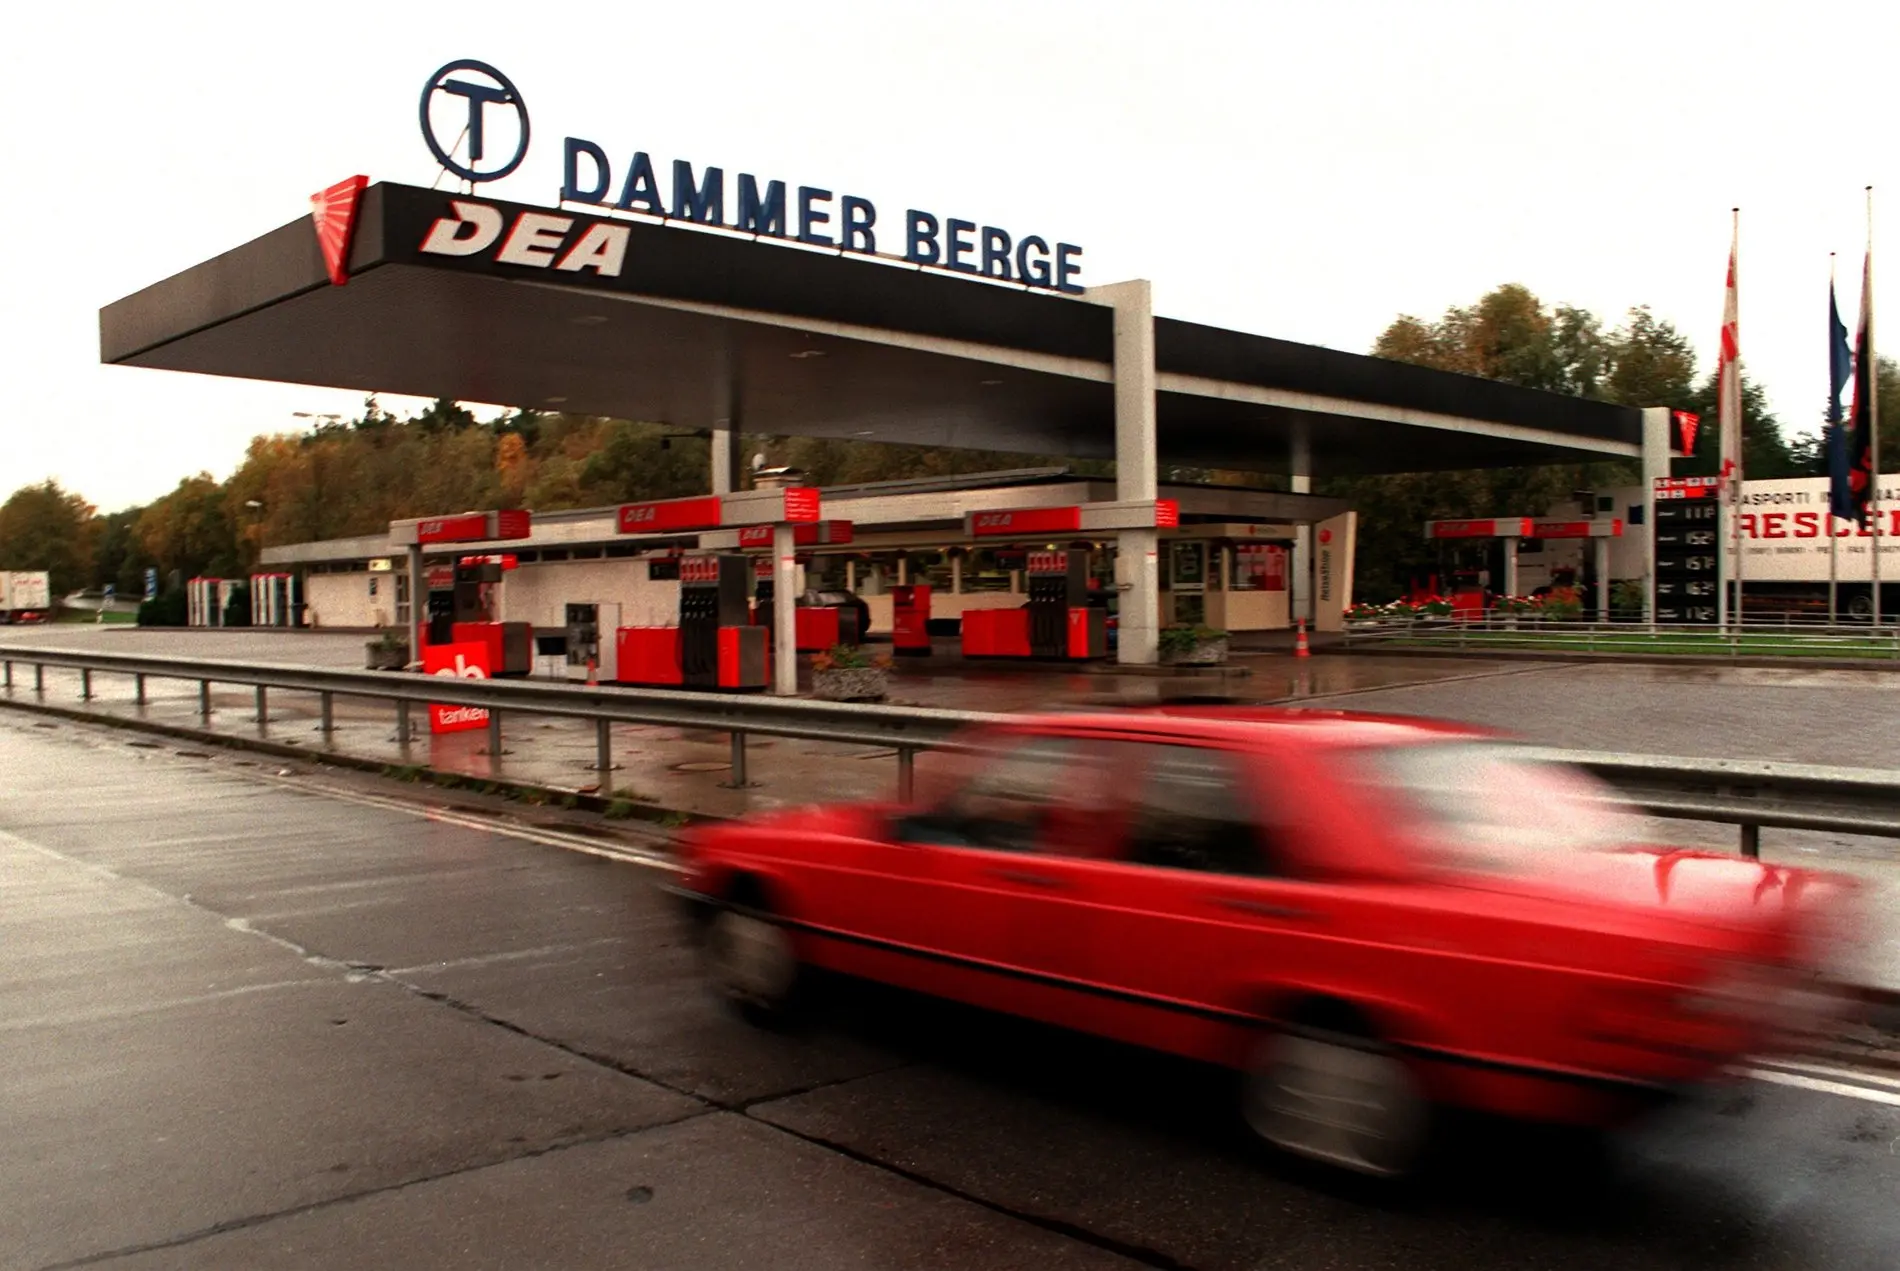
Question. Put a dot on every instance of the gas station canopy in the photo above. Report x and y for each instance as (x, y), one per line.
(703, 328)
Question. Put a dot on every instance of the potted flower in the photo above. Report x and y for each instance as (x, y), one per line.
(846, 673)
(1194, 645)
(388, 651)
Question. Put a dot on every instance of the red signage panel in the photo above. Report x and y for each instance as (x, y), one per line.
(470, 527)
(507, 560)
(1047, 562)
(467, 661)
(813, 534)
(513, 523)
(1026, 521)
(1483, 527)
(1686, 487)
(699, 569)
(702, 513)
(801, 503)
(1167, 514)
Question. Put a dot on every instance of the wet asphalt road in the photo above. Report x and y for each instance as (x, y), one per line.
(253, 1022)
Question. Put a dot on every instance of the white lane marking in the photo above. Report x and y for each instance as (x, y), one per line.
(626, 853)
(1827, 1070)
(1862, 1093)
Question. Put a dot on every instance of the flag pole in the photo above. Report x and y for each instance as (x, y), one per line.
(1829, 442)
(1741, 433)
(1873, 406)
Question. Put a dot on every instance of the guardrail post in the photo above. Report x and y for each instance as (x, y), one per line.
(738, 781)
(402, 723)
(1751, 841)
(138, 688)
(204, 699)
(263, 706)
(494, 738)
(85, 684)
(906, 772)
(9, 677)
(326, 714)
(604, 754)
(39, 678)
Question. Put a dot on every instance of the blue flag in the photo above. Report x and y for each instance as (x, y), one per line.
(1840, 369)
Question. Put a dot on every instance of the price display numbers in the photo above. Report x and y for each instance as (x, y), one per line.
(1687, 553)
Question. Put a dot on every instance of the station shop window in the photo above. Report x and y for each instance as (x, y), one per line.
(983, 570)
(1258, 567)
(825, 573)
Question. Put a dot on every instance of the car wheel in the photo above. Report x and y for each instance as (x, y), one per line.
(1336, 1098)
(750, 957)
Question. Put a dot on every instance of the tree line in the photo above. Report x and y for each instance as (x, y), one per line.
(348, 477)
(1511, 335)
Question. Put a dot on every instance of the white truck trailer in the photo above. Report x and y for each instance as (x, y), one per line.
(26, 595)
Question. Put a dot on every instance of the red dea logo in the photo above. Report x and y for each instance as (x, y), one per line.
(334, 212)
(1686, 425)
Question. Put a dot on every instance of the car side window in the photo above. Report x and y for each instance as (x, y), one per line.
(1195, 811)
(1006, 805)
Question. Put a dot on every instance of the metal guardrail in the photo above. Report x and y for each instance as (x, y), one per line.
(1749, 794)
(904, 729)
(1755, 638)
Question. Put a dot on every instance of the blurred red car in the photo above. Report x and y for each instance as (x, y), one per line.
(1367, 916)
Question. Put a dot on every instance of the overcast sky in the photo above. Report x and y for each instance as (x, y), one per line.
(1302, 171)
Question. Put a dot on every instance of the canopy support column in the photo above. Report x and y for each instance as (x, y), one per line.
(784, 611)
(1136, 469)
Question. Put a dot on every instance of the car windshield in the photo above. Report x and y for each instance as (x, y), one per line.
(1487, 807)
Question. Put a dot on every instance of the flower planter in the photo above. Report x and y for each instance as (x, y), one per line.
(849, 684)
(380, 657)
(1201, 653)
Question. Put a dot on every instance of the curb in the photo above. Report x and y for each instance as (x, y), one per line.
(518, 791)
(1650, 659)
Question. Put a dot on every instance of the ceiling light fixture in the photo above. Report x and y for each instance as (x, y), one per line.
(589, 319)
(805, 353)
(556, 401)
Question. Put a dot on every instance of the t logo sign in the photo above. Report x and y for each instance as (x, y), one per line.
(473, 119)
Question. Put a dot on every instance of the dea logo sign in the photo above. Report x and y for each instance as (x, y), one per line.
(455, 105)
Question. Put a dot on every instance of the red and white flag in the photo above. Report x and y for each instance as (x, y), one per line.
(1728, 381)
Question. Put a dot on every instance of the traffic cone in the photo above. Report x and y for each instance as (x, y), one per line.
(1299, 642)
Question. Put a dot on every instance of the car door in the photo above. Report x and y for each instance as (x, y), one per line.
(1011, 858)
(1205, 909)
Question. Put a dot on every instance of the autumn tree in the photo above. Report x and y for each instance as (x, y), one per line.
(191, 531)
(46, 527)
(1510, 335)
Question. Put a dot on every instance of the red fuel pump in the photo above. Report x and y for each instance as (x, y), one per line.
(910, 620)
(1056, 623)
(714, 646)
(463, 613)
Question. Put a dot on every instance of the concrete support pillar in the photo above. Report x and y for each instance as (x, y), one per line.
(1300, 481)
(418, 602)
(1655, 466)
(784, 611)
(1602, 546)
(851, 575)
(956, 573)
(903, 569)
(725, 460)
(1136, 466)
(724, 425)
(1510, 564)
